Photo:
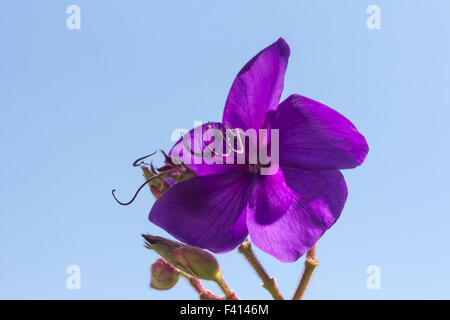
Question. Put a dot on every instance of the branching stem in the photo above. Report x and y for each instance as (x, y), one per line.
(268, 283)
(229, 295)
(203, 293)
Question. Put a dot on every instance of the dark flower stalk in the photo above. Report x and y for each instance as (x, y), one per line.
(311, 264)
(268, 283)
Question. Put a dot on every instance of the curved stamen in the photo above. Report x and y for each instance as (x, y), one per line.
(136, 164)
(208, 127)
(228, 143)
(215, 154)
(238, 135)
(188, 148)
(200, 143)
(137, 192)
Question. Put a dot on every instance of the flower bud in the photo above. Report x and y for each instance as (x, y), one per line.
(200, 263)
(177, 169)
(193, 261)
(157, 185)
(163, 247)
(173, 172)
(182, 173)
(164, 276)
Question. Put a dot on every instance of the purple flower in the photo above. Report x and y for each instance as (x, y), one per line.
(284, 213)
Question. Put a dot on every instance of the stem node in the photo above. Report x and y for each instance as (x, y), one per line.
(311, 263)
(268, 283)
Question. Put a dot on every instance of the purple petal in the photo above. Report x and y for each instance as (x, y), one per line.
(314, 136)
(257, 88)
(194, 152)
(291, 210)
(206, 211)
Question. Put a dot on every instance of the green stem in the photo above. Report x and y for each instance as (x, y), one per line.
(229, 295)
(311, 264)
(268, 283)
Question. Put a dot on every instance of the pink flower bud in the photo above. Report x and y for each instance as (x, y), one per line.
(164, 276)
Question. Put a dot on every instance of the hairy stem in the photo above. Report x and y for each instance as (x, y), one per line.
(311, 264)
(268, 283)
(203, 293)
(229, 295)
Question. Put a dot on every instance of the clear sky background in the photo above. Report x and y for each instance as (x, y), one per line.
(79, 106)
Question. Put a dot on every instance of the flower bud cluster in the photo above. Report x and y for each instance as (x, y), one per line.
(160, 179)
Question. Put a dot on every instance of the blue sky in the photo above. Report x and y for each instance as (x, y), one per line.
(79, 106)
